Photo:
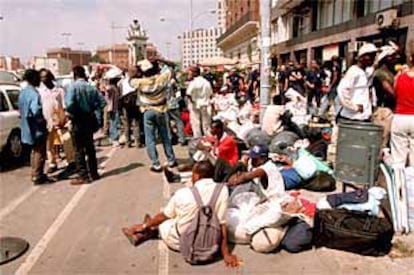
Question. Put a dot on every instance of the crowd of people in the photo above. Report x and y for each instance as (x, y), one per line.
(210, 113)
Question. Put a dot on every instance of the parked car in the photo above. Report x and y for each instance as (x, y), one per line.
(64, 81)
(9, 77)
(10, 139)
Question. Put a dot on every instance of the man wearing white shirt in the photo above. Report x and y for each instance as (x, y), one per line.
(353, 90)
(199, 92)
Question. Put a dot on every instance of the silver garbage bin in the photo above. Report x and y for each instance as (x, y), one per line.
(358, 152)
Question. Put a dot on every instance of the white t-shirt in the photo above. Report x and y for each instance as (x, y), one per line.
(126, 88)
(200, 92)
(353, 90)
(275, 183)
(182, 206)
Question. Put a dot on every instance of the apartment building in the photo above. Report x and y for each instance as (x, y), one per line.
(303, 30)
(241, 38)
(199, 45)
(117, 55)
(77, 57)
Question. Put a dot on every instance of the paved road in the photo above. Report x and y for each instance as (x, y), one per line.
(76, 230)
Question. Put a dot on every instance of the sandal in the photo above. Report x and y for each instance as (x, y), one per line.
(130, 236)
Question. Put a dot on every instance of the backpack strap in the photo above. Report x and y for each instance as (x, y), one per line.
(216, 194)
(197, 196)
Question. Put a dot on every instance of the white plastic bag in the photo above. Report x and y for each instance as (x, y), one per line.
(305, 167)
(242, 205)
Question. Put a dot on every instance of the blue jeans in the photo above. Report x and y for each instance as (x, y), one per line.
(114, 123)
(174, 114)
(291, 178)
(156, 122)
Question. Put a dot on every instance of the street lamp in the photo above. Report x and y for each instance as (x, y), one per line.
(192, 19)
(80, 44)
(168, 45)
(66, 36)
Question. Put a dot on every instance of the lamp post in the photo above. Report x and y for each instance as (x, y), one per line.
(192, 19)
(66, 36)
(80, 44)
(265, 56)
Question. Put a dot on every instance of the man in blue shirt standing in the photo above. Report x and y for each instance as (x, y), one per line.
(83, 102)
(33, 125)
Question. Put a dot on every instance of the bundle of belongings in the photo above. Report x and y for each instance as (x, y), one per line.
(357, 222)
(267, 224)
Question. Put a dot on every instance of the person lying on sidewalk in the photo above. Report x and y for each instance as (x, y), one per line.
(220, 148)
(176, 217)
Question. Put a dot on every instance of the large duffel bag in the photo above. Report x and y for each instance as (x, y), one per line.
(353, 231)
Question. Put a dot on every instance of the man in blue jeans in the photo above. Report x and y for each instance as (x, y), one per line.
(152, 93)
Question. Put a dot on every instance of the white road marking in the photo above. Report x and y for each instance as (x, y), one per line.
(42, 244)
(16, 202)
(163, 253)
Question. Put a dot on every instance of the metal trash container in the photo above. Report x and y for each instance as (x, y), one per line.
(358, 152)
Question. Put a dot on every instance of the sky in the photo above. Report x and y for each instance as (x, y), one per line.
(30, 27)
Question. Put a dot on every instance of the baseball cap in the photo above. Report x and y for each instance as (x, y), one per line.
(258, 151)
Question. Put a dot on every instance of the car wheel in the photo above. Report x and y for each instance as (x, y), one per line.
(14, 147)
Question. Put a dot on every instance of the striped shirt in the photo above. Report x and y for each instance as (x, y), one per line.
(152, 91)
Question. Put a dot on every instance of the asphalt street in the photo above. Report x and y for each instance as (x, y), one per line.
(77, 230)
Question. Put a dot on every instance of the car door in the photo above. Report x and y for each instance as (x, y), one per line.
(9, 118)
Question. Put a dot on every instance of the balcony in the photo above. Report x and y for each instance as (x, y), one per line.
(245, 23)
(282, 7)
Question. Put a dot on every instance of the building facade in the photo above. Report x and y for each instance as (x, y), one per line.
(199, 45)
(77, 57)
(221, 14)
(10, 63)
(303, 30)
(117, 55)
(58, 66)
(241, 38)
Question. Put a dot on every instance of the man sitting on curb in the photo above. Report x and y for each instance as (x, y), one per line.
(173, 221)
(265, 173)
(220, 148)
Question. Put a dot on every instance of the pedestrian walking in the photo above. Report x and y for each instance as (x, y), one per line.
(131, 116)
(52, 98)
(353, 90)
(82, 101)
(113, 76)
(33, 125)
(152, 93)
(313, 81)
(402, 128)
(199, 93)
(296, 78)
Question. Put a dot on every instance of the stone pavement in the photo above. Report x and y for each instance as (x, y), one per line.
(76, 230)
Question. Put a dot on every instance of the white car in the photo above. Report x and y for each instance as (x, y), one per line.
(10, 137)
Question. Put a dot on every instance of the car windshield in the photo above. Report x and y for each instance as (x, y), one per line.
(14, 98)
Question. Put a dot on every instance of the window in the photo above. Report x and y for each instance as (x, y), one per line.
(4, 106)
(338, 12)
